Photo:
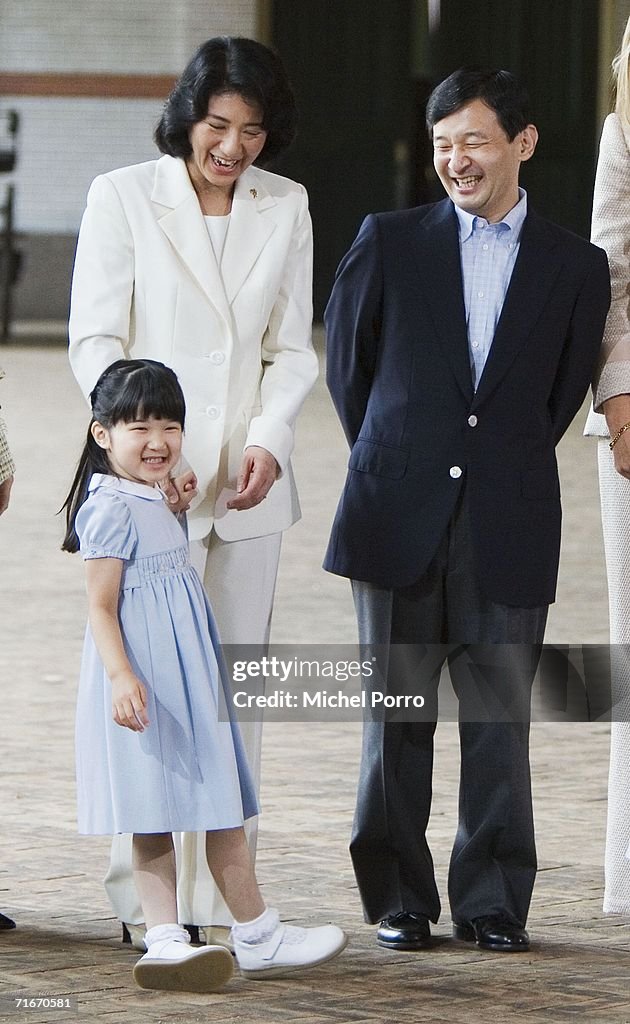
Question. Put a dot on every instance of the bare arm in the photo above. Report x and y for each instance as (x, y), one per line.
(129, 697)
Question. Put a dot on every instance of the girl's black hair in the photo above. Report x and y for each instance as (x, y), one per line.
(229, 64)
(128, 390)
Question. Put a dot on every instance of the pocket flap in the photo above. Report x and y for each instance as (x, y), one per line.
(379, 459)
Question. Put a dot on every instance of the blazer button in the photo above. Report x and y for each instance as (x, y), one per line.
(455, 472)
(212, 412)
(472, 421)
(217, 358)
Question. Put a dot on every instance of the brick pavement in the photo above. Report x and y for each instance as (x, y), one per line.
(50, 879)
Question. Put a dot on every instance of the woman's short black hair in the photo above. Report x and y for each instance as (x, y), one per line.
(223, 65)
(499, 90)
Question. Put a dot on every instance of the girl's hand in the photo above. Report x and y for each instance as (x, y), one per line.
(180, 491)
(129, 702)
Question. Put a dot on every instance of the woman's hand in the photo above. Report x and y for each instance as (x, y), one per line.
(617, 412)
(621, 455)
(180, 491)
(129, 702)
(258, 473)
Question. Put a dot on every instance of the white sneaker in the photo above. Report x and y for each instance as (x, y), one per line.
(288, 949)
(172, 964)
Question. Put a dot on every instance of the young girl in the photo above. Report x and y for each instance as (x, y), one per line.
(152, 755)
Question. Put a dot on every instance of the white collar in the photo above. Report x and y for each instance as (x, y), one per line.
(126, 486)
(513, 219)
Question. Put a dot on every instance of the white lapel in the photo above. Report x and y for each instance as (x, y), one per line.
(249, 230)
(182, 222)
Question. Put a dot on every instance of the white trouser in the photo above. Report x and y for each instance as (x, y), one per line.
(615, 500)
(239, 578)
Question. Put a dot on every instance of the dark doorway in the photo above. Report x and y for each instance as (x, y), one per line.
(362, 70)
(552, 47)
(349, 61)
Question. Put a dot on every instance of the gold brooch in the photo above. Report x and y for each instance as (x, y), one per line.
(253, 193)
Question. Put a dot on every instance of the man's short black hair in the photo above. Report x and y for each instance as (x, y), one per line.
(229, 64)
(499, 90)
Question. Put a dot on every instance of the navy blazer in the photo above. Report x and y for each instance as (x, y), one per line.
(399, 374)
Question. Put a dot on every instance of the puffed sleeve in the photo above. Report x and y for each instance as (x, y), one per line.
(105, 528)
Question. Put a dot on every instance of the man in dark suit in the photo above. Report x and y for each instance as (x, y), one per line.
(461, 341)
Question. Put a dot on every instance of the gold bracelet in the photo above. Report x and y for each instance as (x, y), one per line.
(621, 431)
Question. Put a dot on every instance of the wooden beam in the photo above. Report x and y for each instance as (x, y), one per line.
(105, 86)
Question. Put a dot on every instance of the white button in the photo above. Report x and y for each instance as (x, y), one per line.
(472, 421)
(480, 294)
(475, 344)
(213, 412)
(485, 245)
(217, 358)
(455, 472)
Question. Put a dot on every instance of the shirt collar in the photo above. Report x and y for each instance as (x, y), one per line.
(513, 219)
(126, 486)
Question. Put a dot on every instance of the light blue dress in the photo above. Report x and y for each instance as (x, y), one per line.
(187, 771)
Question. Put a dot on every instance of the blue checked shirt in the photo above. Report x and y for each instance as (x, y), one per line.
(488, 254)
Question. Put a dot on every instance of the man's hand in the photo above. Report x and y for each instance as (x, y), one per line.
(258, 472)
(5, 491)
(180, 491)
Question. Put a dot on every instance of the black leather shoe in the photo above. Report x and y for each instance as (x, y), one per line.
(407, 930)
(6, 923)
(493, 932)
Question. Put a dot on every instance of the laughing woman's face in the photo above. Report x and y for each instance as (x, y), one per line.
(225, 142)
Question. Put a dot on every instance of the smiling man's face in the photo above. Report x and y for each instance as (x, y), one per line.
(477, 163)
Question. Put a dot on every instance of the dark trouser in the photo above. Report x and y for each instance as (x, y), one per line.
(493, 862)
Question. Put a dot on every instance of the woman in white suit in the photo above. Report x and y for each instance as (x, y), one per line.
(611, 422)
(203, 260)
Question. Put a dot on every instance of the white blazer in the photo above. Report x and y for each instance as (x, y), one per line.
(611, 230)
(146, 284)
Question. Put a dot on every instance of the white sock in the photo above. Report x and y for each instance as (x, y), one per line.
(258, 930)
(166, 931)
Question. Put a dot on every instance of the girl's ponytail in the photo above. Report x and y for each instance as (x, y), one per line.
(93, 460)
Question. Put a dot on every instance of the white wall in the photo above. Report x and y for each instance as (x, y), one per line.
(65, 142)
